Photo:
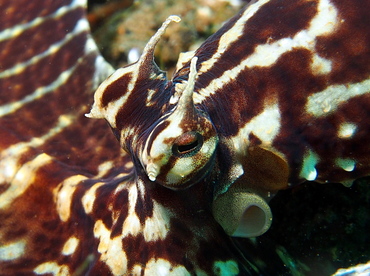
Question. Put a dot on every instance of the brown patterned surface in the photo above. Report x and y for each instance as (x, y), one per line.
(72, 202)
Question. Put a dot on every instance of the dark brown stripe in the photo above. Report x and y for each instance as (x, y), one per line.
(42, 73)
(116, 89)
(349, 46)
(23, 11)
(36, 40)
(273, 21)
(135, 112)
(36, 118)
(87, 147)
(36, 210)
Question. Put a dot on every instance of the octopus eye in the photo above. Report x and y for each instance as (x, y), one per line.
(187, 144)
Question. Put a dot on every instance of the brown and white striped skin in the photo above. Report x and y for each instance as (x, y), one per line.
(70, 200)
(279, 95)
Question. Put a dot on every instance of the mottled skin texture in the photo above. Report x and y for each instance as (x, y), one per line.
(72, 202)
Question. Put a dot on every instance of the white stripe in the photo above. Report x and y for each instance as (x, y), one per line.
(63, 195)
(23, 179)
(158, 225)
(265, 126)
(89, 197)
(70, 246)
(159, 266)
(232, 35)
(111, 250)
(52, 268)
(328, 100)
(12, 251)
(347, 130)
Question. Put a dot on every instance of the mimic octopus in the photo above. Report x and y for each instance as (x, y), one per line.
(279, 95)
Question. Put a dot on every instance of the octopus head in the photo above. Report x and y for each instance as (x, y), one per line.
(180, 149)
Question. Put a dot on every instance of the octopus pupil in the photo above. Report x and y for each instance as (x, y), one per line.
(186, 148)
(183, 149)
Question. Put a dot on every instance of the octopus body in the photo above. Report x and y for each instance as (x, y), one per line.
(279, 95)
